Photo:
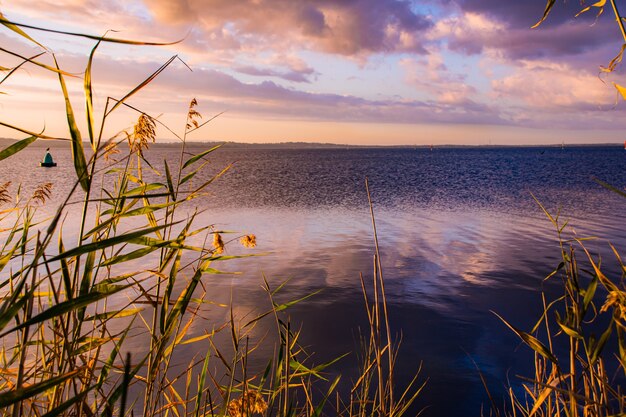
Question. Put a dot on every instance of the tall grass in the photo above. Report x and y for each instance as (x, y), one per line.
(579, 341)
(65, 330)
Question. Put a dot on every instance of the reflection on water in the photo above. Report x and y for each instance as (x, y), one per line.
(460, 236)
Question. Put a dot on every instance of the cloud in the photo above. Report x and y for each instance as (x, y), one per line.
(430, 74)
(284, 66)
(393, 61)
(547, 85)
(295, 76)
(521, 14)
(348, 28)
(225, 92)
(474, 33)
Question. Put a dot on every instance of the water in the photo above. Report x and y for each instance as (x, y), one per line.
(460, 235)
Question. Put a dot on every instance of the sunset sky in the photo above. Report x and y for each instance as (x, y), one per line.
(341, 71)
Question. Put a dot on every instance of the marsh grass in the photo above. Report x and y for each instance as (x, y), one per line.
(579, 341)
(69, 310)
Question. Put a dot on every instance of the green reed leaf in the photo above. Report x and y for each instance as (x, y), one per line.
(569, 331)
(65, 270)
(89, 98)
(284, 306)
(12, 306)
(227, 257)
(531, 341)
(300, 369)
(200, 156)
(16, 147)
(589, 293)
(151, 208)
(597, 351)
(142, 189)
(218, 272)
(136, 254)
(89, 344)
(320, 406)
(183, 301)
(169, 288)
(114, 314)
(170, 184)
(201, 382)
(188, 177)
(63, 407)
(105, 243)
(78, 153)
(111, 359)
(22, 393)
(63, 307)
(4, 260)
(610, 187)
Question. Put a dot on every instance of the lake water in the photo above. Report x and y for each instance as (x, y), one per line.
(460, 236)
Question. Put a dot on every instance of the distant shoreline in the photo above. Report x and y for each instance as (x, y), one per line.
(4, 142)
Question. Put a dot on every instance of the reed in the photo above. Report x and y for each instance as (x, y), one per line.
(64, 331)
(579, 341)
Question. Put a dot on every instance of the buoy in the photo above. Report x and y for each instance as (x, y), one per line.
(47, 160)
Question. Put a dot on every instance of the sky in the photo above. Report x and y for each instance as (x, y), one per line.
(369, 72)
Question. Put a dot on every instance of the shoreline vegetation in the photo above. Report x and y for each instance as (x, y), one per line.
(71, 304)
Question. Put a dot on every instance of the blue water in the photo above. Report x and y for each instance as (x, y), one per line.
(460, 236)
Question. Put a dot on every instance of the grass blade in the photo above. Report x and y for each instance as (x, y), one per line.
(17, 25)
(78, 153)
(200, 156)
(15, 28)
(531, 341)
(105, 243)
(16, 147)
(69, 305)
(547, 10)
(8, 398)
(142, 84)
(59, 411)
(37, 63)
(89, 98)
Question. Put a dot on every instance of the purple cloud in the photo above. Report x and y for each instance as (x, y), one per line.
(561, 35)
(302, 76)
(349, 27)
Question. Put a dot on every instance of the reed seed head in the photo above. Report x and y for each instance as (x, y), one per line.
(193, 115)
(110, 150)
(617, 301)
(218, 243)
(144, 132)
(4, 193)
(250, 403)
(248, 241)
(42, 193)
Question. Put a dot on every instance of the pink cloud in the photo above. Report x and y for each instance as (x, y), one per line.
(431, 75)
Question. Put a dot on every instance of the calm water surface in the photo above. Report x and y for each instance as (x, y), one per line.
(460, 236)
